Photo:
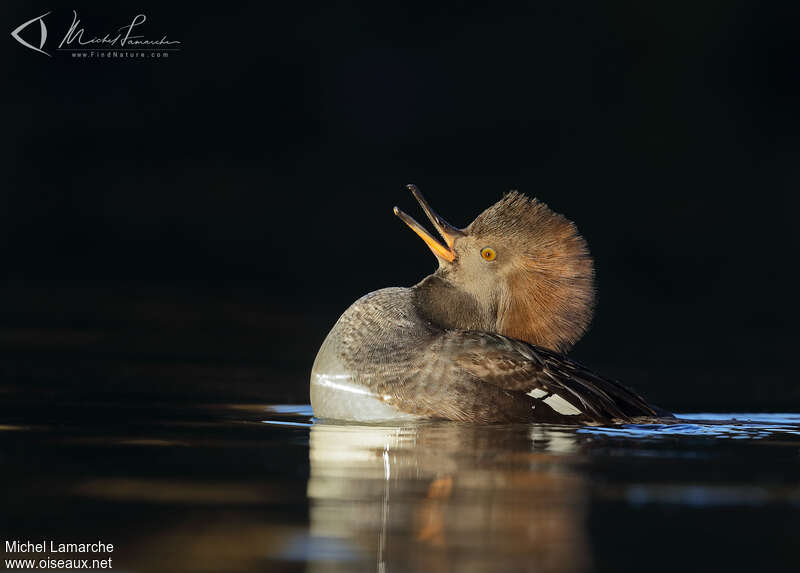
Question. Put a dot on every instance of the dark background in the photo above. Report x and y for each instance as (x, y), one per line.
(189, 228)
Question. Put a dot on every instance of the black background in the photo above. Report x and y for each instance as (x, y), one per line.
(190, 227)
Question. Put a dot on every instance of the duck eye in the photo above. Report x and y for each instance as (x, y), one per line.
(488, 254)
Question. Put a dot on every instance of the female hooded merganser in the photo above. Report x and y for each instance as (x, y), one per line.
(482, 338)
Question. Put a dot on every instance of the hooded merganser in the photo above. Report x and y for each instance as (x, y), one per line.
(482, 338)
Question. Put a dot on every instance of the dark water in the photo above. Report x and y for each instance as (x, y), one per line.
(229, 487)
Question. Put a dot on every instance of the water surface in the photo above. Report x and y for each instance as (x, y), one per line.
(240, 487)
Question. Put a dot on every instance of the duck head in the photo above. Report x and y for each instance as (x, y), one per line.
(518, 269)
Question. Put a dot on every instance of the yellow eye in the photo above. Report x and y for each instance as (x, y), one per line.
(488, 253)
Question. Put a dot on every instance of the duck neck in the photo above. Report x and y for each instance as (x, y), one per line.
(444, 304)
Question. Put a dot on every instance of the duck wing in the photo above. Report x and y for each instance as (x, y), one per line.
(484, 377)
(550, 378)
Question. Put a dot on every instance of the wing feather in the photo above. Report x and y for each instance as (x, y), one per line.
(484, 377)
(518, 366)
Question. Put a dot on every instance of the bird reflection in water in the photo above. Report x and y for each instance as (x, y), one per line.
(448, 497)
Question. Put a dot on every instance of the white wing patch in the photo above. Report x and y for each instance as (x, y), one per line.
(555, 401)
(560, 405)
(537, 393)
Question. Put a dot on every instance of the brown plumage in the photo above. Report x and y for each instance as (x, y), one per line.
(479, 339)
(549, 299)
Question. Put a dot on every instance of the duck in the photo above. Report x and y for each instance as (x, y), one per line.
(484, 338)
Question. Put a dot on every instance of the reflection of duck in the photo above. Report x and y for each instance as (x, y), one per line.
(470, 342)
(444, 497)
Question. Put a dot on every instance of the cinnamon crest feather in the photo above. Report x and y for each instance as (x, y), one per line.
(549, 293)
